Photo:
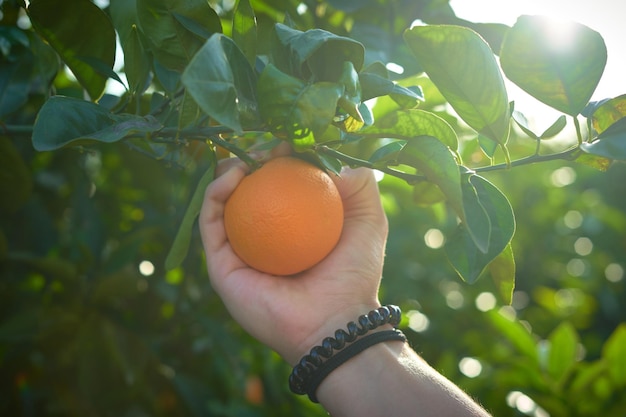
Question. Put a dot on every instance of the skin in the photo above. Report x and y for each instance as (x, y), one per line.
(293, 314)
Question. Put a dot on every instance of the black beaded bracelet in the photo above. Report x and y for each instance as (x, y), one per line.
(303, 372)
(348, 353)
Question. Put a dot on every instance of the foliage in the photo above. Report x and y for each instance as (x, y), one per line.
(106, 308)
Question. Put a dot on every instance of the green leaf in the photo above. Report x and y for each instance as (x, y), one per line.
(554, 129)
(387, 152)
(77, 40)
(136, 59)
(462, 66)
(64, 120)
(516, 334)
(315, 53)
(502, 270)
(180, 246)
(562, 354)
(406, 124)
(608, 113)
(435, 160)
(16, 183)
(614, 352)
(463, 248)
(189, 111)
(244, 30)
(221, 81)
(351, 98)
(611, 143)
(374, 85)
(559, 63)
(477, 222)
(176, 30)
(294, 109)
(15, 82)
(522, 122)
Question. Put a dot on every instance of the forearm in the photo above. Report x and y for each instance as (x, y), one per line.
(391, 379)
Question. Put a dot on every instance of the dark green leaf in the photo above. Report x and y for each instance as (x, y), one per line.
(174, 43)
(330, 163)
(462, 66)
(477, 220)
(374, 85)
(463, 249)
(15, 81)
(189, 112)
(406, 124)
(244, 30)
(63, 121)
(76, 40)
(315, 53)
(221, 81)
(16, 183)
(610, 144)
(136, 58)
(558, 63)
(180, 246)
(102, 68)
(563, 349)
(435, 160)
(193, 26)
(294, 109)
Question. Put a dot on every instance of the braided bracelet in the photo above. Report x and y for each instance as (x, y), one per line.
(302, 374)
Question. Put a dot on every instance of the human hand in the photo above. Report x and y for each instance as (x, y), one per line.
(292, 314)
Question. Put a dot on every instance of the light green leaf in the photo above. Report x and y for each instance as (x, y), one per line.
(462, 66)
(611, 143)
(64, 120)
(435, 160)
(562, 355)
(608, 113)
(92, 36)
(559, 63)
(244, 30)
(614, 352)
(516, 334)
(181, 243)
(502, 270)
(406, 124)
(554, 129)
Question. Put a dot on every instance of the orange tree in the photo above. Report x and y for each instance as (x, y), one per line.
(106, 309)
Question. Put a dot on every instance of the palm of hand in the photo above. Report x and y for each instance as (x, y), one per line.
(292, 314)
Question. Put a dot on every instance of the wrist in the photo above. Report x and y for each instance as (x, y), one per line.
(375, 327)
(328, 326)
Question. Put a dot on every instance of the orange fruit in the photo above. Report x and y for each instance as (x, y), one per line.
(284, 217)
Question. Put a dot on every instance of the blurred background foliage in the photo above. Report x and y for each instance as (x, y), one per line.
(92, 325)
